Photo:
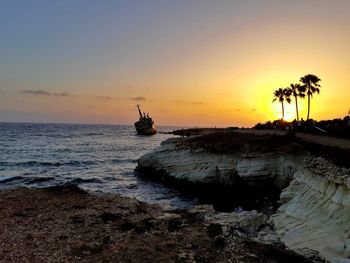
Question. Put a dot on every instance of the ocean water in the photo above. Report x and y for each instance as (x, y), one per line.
(98, 158)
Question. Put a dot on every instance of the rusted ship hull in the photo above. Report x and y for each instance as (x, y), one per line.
(145, 128)
(145, 125)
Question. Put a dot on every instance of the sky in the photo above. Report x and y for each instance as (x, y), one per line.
(193, 63)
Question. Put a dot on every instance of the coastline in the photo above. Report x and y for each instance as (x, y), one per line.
(66, 224)
(310, 177)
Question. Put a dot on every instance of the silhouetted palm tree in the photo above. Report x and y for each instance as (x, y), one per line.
(281, 95)
(310, 82)
(297, 90)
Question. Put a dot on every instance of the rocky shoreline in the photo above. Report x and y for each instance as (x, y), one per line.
(66, 224)
(310, 181)
(276, 198)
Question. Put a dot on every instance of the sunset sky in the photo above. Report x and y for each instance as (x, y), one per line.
(186, 62)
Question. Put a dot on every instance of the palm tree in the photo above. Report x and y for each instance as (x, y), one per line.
(281, 95)
(311, 85)
(297, 90)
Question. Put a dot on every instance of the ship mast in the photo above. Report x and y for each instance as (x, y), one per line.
(138, 107)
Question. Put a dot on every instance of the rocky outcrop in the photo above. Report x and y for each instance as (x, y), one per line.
(315, 199)
(315, 210)
(197, 165)
(250, 226)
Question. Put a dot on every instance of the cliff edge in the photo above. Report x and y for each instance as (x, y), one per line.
(311, 180)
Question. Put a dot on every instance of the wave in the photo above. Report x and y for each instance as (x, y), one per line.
(116, 161)
(68, 163)
(82, 180)
(93, 134)
(29, 163)
(27, 181)
(8, 179)
(38, 163)
(24, 180)
(35, 180)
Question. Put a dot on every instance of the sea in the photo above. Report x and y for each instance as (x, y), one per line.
(97, 158)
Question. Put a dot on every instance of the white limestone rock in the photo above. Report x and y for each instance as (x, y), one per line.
(316, 212)
(200, 166)
(315, 206)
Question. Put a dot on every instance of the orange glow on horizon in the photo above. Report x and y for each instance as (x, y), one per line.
(217, 66)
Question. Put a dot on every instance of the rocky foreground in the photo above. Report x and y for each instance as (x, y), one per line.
(310, 179)
(69, 225)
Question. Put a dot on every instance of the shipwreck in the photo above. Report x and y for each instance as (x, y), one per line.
(145, 125)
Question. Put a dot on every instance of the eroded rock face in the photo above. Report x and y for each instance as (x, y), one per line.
(247, 225)
(197, 165)
(316, 209)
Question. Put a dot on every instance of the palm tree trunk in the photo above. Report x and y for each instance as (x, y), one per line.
(282, 110)
(296, 106)
(308, 106)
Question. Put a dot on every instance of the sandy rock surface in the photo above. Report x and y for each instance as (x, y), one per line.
(70, 225)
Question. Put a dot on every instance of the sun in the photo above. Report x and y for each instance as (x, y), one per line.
(289, 116)
(276, 112)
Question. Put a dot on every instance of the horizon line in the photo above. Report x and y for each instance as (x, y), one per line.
(104, 124)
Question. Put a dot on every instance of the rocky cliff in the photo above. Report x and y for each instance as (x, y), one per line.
(315, 210)
(315, 196)
(188, 162)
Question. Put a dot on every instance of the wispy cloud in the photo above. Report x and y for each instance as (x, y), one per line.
(36, 92)
(45, 93)
(140, 98)
(188, 102)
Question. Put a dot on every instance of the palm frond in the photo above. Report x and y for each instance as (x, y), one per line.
(302, 88)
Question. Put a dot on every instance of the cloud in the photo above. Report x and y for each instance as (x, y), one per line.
(36, 92)
(62, 94)
(138, 98)
(188, 102)
(43, 92)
